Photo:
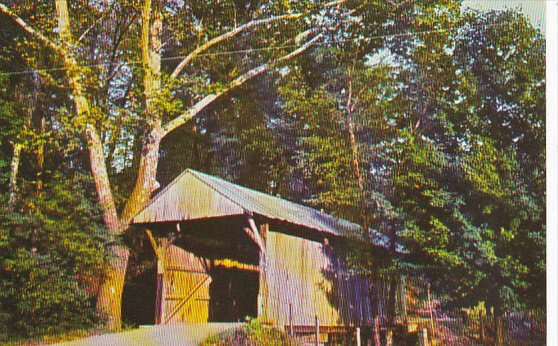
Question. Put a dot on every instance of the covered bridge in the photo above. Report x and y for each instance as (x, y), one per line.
(225, 252)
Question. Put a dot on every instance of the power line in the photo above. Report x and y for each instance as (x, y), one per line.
(252, 50)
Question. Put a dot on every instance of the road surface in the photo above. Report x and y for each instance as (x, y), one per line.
(171, 334)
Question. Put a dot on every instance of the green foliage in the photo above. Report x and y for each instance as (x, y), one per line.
(51, 254)
(252, 333)
(466, 178)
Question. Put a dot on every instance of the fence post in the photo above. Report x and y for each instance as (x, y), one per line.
(161, 291)
(357, 335)
(377, 331)
(389, 337)
(291, 320)
(499, 332)
(317, 340)
(431, 308)
(423, 340)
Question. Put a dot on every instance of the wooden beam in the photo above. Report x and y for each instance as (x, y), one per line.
(250, 234)
(256, 234)
(153, 243)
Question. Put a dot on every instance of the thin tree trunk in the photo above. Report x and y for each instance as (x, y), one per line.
(391, 308)
(497, 325)
(14, 168)
(41, 155)
(350, 110)
(36, 119)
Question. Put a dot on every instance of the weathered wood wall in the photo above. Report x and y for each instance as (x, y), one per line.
(304, 279)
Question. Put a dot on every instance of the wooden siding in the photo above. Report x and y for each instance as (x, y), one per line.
(304, 279)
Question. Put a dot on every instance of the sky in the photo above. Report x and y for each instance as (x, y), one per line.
(533, 9)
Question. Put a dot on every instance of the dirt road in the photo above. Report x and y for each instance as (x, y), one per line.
(172, 334)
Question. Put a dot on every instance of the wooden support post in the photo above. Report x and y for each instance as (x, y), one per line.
(389, 337)
(159, 251)
(499, 331)
(160, 298)
(431, 308)
(317, 339)
(257, 237)
(261, 239)
(357, 336)
(482, 316)
(153, 243)
(404, 297)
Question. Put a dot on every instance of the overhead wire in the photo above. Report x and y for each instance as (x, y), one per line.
(251, 50)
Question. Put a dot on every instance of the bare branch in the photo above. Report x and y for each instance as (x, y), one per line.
(95, 22)
(189, 114)
(238, 30)
(227, 36)
(296, 51)
(198, 107)
(334, 3)
(30, 30)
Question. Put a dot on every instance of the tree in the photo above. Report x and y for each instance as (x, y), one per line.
(461, 181)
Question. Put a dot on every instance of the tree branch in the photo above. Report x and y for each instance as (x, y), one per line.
(30, 30)
(198, 107)
(238, 30)
(227, 36)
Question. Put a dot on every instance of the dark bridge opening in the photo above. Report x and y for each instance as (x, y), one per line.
(233, 294)
(211, 274)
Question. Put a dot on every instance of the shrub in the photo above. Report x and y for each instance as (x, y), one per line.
(51, 250)
(253, 333)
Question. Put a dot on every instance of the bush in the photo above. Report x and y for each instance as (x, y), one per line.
(253, 333)
(51, 252)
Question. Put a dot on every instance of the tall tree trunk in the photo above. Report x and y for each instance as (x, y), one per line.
(109, 298)
(146, 181)
(110, 291)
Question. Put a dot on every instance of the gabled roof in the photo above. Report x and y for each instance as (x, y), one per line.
(194, 195)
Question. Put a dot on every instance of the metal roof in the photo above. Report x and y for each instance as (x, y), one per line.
(195, 195)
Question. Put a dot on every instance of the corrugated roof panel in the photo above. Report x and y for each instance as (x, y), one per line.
(195, 195)
(277, 208)
(187, 198)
